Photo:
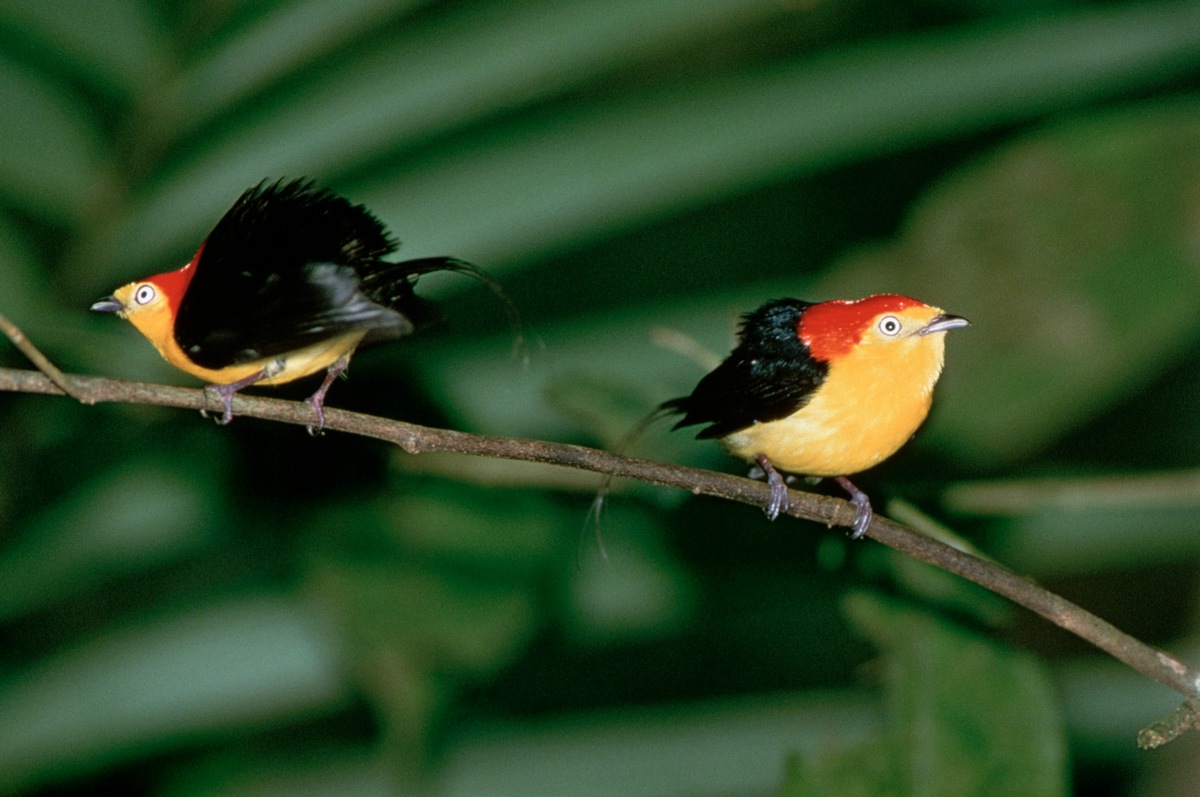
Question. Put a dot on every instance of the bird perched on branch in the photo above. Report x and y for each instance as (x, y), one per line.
(825, 389)
(291, 281)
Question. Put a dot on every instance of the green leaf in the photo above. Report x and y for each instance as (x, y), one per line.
(52, 161)
(21, 283)
(965, 716)
(541, 182)
(437, 592)
(116, 47)
(416, 82)
(508, 190)
(189, 674)
(290, 37)
(130, 519)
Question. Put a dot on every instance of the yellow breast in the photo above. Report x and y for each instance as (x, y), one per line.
(872, 401)
(279, 369)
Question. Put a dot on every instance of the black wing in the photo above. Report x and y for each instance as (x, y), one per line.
(284, 268)
(768, 376)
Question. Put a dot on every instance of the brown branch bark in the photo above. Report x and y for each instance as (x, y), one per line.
(415, 439)
(1177, 723)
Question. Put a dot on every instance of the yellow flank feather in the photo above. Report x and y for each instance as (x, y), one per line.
(153, 319)
(872, 401)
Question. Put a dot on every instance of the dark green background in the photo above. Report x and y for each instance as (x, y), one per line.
(201, 611)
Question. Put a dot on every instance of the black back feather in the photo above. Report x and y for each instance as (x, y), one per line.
(769, 375)
(290, 265)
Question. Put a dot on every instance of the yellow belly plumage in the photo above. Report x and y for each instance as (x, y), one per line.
(277, 370)
(870, 404)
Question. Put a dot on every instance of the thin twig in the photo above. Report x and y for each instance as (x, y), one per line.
(26, 347)
(415, 439)
(1177, 723)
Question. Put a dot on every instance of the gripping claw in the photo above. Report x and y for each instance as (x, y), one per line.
(863, 514)
(224, 393)
(317, 399)
(779, 490)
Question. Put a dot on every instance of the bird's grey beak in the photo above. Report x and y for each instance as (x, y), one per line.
(941, 323)
(107, 305)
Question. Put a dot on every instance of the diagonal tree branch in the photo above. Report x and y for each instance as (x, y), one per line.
(415, 439)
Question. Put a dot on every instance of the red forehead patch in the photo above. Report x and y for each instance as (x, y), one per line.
(173, 284)
(831, 329)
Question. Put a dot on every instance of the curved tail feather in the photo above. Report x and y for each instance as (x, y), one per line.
(406, 273)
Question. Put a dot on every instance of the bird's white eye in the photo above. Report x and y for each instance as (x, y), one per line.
(890, 325)
(144, 294)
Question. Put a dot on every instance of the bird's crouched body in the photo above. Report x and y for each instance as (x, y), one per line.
(291, 281)
(276, 370)
(825, 389)
(870, 404)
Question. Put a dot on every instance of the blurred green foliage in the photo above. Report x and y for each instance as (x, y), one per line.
(194, 610)
(966, 717)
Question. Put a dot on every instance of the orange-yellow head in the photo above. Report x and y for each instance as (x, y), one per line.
(882, 337)
(151, 305)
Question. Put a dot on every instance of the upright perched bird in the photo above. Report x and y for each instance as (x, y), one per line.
(826, 389)
(292, 280)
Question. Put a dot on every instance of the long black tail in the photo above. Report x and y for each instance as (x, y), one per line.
(403, 275)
